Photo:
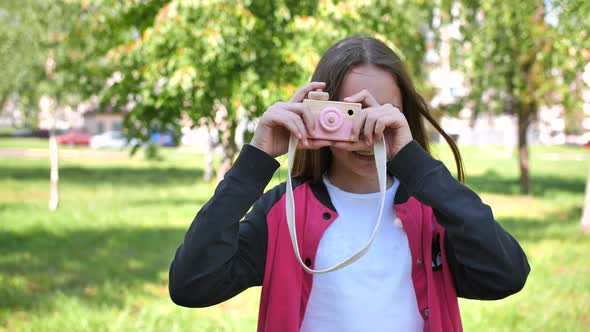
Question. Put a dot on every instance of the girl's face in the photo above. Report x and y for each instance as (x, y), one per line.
(381, 84)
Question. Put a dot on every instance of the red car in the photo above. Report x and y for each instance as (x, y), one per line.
(74, 137)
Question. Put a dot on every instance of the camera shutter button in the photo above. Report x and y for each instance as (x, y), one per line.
(318, 95)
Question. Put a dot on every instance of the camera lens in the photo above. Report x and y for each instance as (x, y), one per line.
(331, 118)
(350, 112)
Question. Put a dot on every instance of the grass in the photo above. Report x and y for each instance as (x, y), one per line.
(100, 262)
(29, 143)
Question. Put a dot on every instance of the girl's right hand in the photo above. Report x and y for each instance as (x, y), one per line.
(282, 120)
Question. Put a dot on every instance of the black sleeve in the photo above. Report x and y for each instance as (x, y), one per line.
(221, 256)
(486, 262)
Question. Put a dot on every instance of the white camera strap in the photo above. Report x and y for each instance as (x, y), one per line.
(380, 160)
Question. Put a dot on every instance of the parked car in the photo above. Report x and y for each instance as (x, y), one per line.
(163, 139)
(38, 133)
(23, 132)
(74, 137)
(110, 139)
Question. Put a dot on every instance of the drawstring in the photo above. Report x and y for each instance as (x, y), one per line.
(380, 160)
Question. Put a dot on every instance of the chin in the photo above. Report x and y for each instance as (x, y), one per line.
(361, 165)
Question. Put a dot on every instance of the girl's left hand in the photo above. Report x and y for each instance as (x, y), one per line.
(378, 120)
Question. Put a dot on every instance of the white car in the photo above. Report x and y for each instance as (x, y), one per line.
(110, 139)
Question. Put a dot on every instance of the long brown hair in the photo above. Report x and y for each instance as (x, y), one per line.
(362, 50)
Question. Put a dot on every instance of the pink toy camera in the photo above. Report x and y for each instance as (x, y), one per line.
(333, 119)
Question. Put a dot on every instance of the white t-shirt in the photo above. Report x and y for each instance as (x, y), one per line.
(376, 292)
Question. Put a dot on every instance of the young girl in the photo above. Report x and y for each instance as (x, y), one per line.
(437, 240)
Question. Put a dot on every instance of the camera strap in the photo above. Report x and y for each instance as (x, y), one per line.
(380, 154)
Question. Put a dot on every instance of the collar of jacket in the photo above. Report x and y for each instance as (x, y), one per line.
(321, 193)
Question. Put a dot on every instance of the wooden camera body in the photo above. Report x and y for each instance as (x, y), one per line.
(334, 120)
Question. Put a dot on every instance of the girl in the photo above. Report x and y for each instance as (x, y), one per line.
(437, 240)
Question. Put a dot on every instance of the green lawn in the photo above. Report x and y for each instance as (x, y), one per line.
(18, 143)
(100, 263)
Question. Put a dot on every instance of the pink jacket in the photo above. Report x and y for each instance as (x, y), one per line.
(457, 247)
(286, 286)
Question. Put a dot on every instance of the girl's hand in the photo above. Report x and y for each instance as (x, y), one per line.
(379, 120)
(284, 119)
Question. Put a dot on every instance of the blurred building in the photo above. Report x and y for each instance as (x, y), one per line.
(11, 114)
(65, 117)
(449, 83)
(548, 126)
(96, 122)
(85, 116)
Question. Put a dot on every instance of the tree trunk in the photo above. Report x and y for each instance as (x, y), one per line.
(49, 106)
(9, 114)
(226, 126)
(226, 163)
(586, 214)
(523, 152)
(54, 175)
(509, 138)
(209, 150)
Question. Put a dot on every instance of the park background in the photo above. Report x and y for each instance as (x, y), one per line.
(87, 234)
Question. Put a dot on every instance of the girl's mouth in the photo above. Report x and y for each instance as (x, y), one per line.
(364, 155)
